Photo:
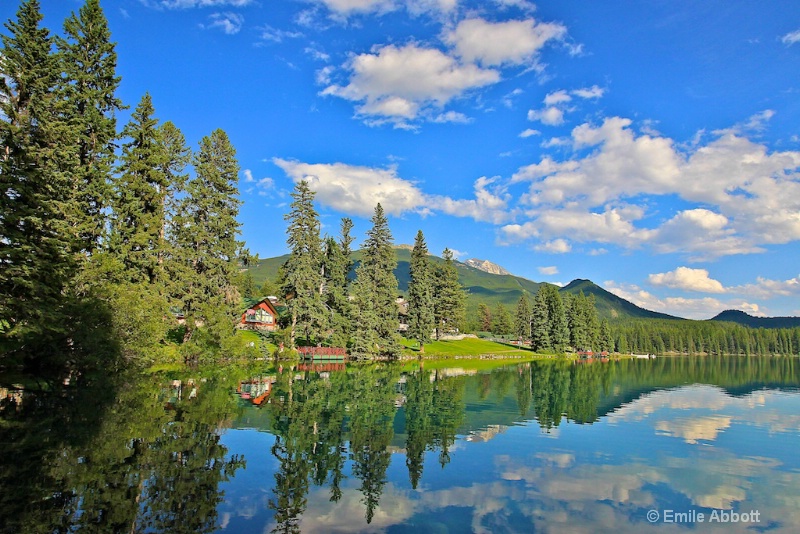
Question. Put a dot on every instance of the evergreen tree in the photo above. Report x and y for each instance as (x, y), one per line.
(421, 319)
(502, 323)
(337, 268)
(140, 190)
(559, 327)
(606, 338)
(484, 317)
(303, 282)
(206, 230)
(89, 83)
(540, 339)
(375, 292)
(523, 319)
(37, 248)
(449, 297)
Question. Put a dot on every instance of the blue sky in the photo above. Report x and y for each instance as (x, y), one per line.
(652, 147)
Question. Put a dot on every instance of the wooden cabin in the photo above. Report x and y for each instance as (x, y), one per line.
(260, 316)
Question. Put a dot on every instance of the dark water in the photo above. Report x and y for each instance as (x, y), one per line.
(691, 444)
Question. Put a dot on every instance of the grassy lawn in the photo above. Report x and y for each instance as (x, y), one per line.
(465, 347)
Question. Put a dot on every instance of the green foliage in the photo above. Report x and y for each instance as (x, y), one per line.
(337, 267)
(449, 297)
(523, 319)
(484, 317)
(540, 338)
(375, 291)
(303, 281)
(421, 318)
(502, 321)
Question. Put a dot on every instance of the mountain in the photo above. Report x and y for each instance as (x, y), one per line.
(486, 288)
(609, 305)
(740, 317)
(486, 266)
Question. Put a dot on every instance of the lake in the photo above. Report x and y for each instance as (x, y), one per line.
(666, 445)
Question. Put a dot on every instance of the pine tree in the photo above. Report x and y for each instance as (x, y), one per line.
(502, 322)
(449, 297)
(89, 83)
(140, 190)
(337, 268)
(540, 337)
(559, 327)
(375, 292)
(606, 338)
(303, 282)
(205, 241)
(523, 319)
(37, 250)
(484, 317)
(421, 319)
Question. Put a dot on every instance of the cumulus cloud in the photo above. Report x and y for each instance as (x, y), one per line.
(745, 196)
(357, 189)
(529, 133)
(402, 83)
(343, 9)
(513, 42)
(690, 308)
(548, 271)
(556, 246)
(230, 23)
(687, 279)
(556, 104)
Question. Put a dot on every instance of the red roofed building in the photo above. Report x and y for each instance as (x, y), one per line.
(261, 316)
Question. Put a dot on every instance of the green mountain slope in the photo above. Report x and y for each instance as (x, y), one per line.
(490, 289)
(740, 317)
(609, 305)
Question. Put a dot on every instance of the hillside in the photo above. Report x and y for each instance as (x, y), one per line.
(610, 305)
(740, 317)
(491, 289)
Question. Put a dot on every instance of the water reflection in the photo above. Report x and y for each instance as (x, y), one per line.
(550, 445)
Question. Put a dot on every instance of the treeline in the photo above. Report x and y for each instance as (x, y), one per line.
(550, 322)
(703, 337)
(326, 307)
(102, 232)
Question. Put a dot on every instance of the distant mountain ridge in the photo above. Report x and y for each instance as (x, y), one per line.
(740, 317)
(486, 266)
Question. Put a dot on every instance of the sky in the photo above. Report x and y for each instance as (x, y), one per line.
(651, 147)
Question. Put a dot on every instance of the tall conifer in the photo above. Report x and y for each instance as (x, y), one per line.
(303, 283)
(522, 318)
(375, 292)
(421, 318)
(449, 299)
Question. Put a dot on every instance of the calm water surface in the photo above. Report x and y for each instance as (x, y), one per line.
(691, 444)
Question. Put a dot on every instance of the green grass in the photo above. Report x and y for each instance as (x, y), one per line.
(466, 347)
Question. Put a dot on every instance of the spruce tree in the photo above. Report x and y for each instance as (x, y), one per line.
(501, 323)
(303, 282)
(421, 319)
(337, 268)
(140, 190)
(540, 338)
(523, 319)
(89, 82)
(449, 297)
(606, 338)
(375, 291)
(556, 312)
(37, 248)
(484, 317)
(205, 241)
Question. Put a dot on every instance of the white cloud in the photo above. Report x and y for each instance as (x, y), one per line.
(355, 189)
(347, 8)
(745, 196)
(551, 116)
(457, 254)
(765, 289)
(548, 271)
(452, 116)
(268, 33)
(490, 203)
(248, 175)
(791, 37)
(557, 246)
(230, 23)
(699, 308)
(687, 279)
(513, 42)
(403, 83)
(589, 92)
(557, 97)
(529, 133)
